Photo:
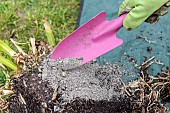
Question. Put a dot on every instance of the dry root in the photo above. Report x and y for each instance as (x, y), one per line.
(147, 89)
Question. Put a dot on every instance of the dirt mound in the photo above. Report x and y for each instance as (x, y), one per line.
(65, 86)
(33, 95)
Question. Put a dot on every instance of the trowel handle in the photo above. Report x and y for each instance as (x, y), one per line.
(108, 28)
(118, 22)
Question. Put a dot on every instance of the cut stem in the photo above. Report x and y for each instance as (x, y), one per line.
(49, 33)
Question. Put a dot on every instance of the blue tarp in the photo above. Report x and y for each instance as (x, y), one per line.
(157, 36)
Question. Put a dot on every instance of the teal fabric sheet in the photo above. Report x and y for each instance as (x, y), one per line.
(158, 34)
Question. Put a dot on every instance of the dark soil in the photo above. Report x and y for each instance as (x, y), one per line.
(32, 95)
(121, 105)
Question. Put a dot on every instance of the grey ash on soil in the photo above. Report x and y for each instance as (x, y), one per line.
(88, 88)
(88, 81)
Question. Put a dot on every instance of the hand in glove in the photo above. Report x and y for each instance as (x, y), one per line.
(142, 10)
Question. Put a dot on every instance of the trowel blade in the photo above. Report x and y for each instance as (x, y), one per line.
(91, 40)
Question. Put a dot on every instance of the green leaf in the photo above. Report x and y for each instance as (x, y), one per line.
(8, 63)
(6, 49)
(2, 7)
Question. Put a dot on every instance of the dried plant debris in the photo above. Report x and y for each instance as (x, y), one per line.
(149, 93)
(29, 62)
(165, 92)
(146, 39)
(39, 50)
(3, 104)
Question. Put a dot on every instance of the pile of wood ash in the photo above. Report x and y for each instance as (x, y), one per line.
(88, 81)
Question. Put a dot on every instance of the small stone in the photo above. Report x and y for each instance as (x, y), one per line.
(149, 48)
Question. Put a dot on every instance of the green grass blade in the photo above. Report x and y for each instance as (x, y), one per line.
(6, 49)
(8, 63)
(2, 78)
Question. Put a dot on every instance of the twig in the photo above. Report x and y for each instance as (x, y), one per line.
(146, 83)
(21, 99)
(145, 38)
(162, 78)
(153, 92)
(157, 84)
(158, 62)
(147, 61)
(1, 65)
(34, 49)
(123, 85)
(19, 49)
(142, 74)
(12, 34)
(166, 73)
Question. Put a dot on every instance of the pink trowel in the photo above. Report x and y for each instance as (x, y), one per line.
(91, 40)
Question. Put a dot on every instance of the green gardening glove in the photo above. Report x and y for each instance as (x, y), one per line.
(142, 10)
